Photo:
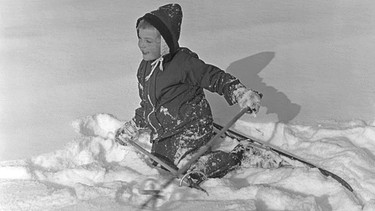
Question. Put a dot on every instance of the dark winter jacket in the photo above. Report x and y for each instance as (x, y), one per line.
(172, 99)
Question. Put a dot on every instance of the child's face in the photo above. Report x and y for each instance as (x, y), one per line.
(149, 43)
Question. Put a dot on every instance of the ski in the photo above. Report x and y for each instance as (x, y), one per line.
(265, 145)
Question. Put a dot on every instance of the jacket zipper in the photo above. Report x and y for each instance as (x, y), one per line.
(152, 105)
(152, 111)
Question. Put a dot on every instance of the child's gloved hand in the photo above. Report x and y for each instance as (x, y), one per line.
(128, 131)
(248, 98)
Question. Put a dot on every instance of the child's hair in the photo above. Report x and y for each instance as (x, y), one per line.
(143, 24)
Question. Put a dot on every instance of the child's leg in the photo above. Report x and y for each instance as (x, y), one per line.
(259, 158)
(217, 164)
(175, 148)
(181, 147)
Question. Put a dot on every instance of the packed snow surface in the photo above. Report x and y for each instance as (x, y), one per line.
(93, 172)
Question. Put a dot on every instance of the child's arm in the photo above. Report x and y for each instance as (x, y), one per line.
(216, 80)
(211, 78)
(139, 117)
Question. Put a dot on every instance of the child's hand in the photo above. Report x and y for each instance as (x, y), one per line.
(248, 98)
(128, 131)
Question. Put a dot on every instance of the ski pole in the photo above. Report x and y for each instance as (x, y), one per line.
(200, 152)
(291, 156)
(209, 144)
(153, 157)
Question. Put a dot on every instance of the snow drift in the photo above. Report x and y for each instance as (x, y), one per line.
(93, 172)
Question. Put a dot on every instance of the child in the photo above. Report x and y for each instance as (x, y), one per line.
(173, 105)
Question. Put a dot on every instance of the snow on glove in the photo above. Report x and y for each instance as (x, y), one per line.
(128, 131)
(248, 98)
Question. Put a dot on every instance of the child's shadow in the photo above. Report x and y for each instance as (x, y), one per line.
(248, 69)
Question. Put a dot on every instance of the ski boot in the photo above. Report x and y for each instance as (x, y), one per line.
(259, 157)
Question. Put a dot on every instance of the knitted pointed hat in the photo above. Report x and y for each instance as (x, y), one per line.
(167, 20)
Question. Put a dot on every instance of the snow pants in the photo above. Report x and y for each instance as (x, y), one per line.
(177, 148)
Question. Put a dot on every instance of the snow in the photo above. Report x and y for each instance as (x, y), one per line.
(93, 171)
(67, 60)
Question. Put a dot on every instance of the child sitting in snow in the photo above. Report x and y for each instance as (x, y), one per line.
(173, 105)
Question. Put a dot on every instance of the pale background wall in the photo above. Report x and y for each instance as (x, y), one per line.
(61, 60)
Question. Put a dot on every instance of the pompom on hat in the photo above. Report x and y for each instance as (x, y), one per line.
(167, 20)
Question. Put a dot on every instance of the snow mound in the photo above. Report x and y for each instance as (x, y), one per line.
(93, 171)
(97, 125)
(346, 149)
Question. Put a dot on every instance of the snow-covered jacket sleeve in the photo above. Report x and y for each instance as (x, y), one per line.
(139, 117)
(212, 78)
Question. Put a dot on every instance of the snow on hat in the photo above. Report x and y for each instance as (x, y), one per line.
(167, 20)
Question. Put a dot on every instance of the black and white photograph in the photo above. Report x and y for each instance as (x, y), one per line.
(211, 105)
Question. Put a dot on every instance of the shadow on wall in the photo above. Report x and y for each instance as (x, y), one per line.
(247, 71)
